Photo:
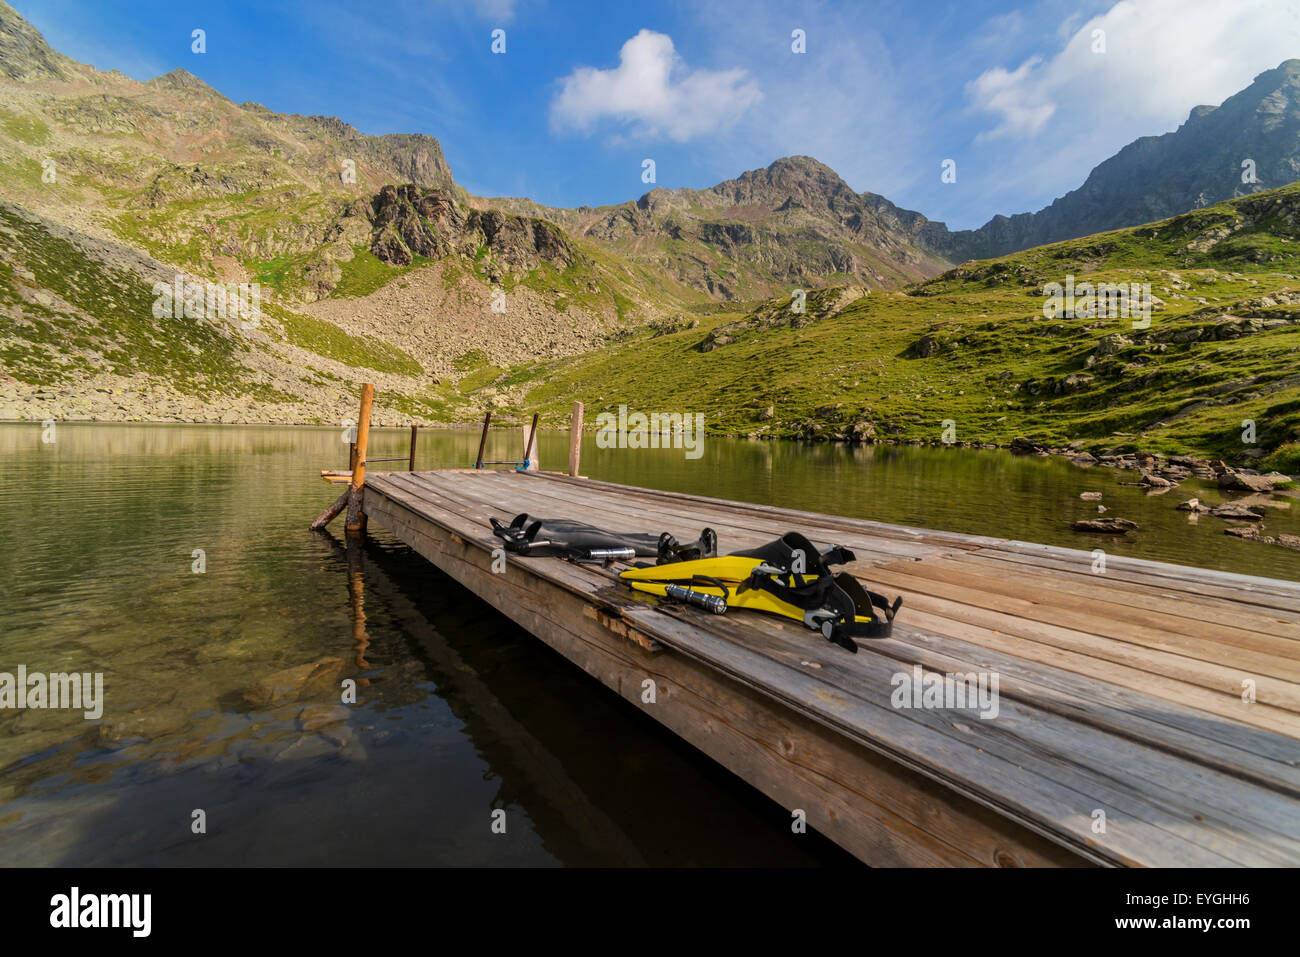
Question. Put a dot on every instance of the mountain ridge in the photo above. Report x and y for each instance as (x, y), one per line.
(1205, 153)
(371, 257)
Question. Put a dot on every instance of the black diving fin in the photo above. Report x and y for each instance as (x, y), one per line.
(567, 538)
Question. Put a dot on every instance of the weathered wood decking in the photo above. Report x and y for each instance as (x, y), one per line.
(1120, 694)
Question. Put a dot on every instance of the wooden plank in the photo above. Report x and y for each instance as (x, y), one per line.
(1112, 696)
(784, 516)
(1226, 681)
(1139, 595)
(1019, 610)
(1182, 626)
(1249, 589)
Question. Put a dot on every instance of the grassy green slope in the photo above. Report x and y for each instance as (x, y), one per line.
(999, 369)
(63, 312)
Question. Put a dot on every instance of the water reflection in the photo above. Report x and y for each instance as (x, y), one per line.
(459, 712)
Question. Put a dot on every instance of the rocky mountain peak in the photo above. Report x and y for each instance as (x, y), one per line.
(409, 221)
(799, 181)
(24, 54)
(179, 79)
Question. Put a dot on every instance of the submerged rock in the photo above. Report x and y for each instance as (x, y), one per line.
(321, 716)
(1250, 513)
(1254, 533)
(1155, 481)
(294, 684)
(1112, 526)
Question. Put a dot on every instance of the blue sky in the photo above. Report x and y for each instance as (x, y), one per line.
(1019, 96)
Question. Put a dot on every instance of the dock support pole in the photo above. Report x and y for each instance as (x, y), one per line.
(482, 442)
(530, 445)
(575, 439)
(327, 516)
(411, 466)
(356, 522)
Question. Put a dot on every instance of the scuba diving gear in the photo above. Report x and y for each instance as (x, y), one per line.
(612, 554)
(684, 593)
(566, 538)
(706, 546)
(787, 577)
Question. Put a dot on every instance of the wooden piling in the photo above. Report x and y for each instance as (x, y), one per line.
(411, 467)
(482, 442)
(575, 439)
(356, 521)
(530, 445)
(327, 516)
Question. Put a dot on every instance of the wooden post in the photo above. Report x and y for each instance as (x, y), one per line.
(327, 516)
(482, 442)
(530, 445)
(352, 456)
(575, 439)
(411, 466)
(356, 501)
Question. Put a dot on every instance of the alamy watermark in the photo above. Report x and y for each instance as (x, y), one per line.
(79, 691)
(935, 691)
(1104, 300)
(125, 911)
(658, 430)
(182, 298)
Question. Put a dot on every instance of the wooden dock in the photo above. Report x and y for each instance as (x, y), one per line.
(1147, 716)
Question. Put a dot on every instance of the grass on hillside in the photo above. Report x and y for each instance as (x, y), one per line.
(43, 341)
(328, 340)
(365, 273)
(1001, 368)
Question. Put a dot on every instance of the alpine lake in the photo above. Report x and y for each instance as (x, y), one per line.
(176, 561)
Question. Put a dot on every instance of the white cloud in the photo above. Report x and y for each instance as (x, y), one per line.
(498, 11)
(1161, 58)
(653, 92)
(1008, 92)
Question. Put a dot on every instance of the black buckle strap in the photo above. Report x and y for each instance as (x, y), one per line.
(804, 594)
(670, 550)
(518, 536)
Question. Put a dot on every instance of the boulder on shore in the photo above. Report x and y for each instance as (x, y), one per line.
(1246, 482)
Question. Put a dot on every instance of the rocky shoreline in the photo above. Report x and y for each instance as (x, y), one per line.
(1156, 472)
(1159, 475)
